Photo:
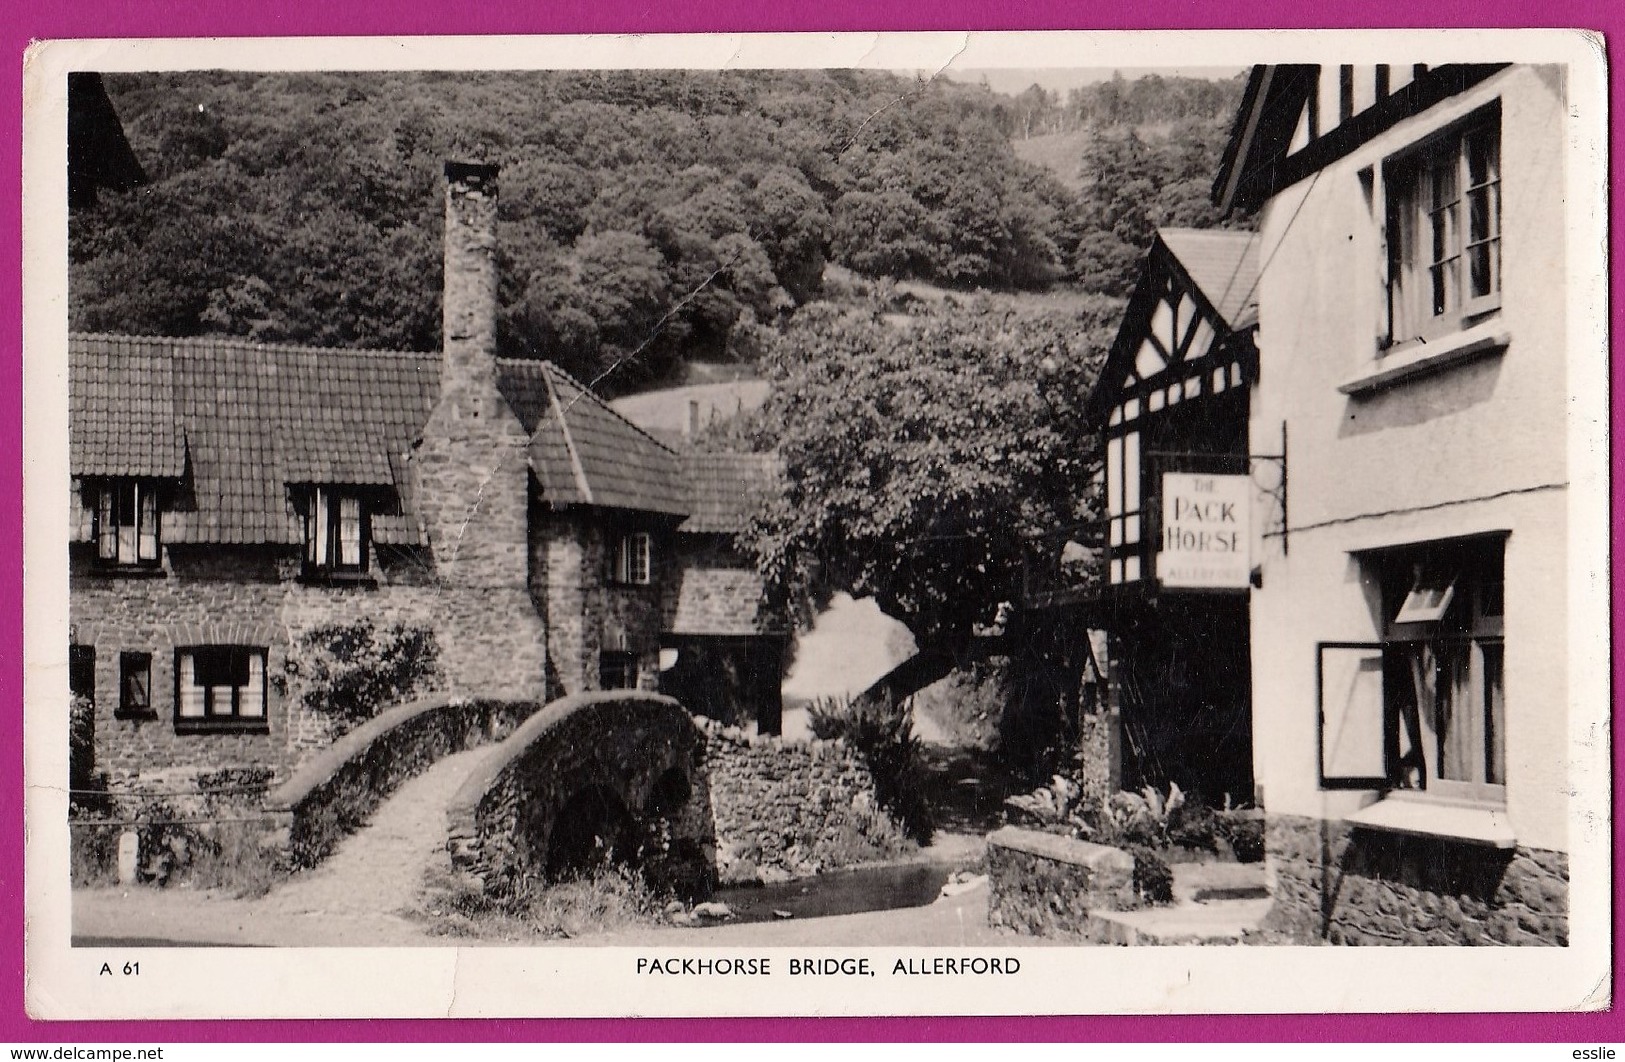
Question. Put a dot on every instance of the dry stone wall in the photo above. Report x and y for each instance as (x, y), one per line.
(1347, 886)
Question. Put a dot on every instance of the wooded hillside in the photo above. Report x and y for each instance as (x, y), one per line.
(648, 218)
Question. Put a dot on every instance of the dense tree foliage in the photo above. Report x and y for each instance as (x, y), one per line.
(1146, 101)
(1134, 185)
(647, 217)
(928, 455)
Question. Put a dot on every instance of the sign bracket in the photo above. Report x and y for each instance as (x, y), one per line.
(1280, 491)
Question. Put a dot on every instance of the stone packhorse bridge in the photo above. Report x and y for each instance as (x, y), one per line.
(517, 791)
(589, 778)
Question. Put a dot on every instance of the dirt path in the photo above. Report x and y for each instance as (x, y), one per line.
(379, 869)
(357, 896)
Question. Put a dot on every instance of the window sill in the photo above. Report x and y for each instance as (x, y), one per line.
(221, 726)
(1480, 340)
(1423, 816)
(365, 580)
(130, 571)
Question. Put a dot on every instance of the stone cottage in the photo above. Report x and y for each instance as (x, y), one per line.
(229, 496)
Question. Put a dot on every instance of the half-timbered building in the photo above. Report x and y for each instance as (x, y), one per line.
(1173, 403)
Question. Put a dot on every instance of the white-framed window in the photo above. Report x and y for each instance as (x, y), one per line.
(1424, 709)
(127, 524)
(336, 529)
(634, 559)
(1443, 230)
(220, 687)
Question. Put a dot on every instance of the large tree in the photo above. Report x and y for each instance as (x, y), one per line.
(926, 456)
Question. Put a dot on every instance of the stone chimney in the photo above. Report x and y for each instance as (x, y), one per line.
(469, 311)
(471, 478)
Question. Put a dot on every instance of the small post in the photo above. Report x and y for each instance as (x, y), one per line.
(129, 856)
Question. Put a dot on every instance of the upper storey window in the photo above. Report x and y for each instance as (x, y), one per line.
(335, 532)
(1444, 231)
(127, 524)
(633, 560)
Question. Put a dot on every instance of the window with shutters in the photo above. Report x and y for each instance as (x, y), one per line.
(220, 687)
(126, 525)
(1424, 709)
(336, 532)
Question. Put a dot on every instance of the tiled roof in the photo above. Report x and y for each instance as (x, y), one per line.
(583, 452)
(1224, 265)
(121, 411)
(238, 422)
(724, 490)
(249, 419)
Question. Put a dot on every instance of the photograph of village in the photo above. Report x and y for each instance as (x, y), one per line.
(766, 508)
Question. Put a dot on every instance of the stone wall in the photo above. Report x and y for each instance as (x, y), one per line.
(1348, 886)
(253, 596)
(585, 612)
(716, 589)
(337, 790)
(639, 751)
(785, 809)
(1047, 885)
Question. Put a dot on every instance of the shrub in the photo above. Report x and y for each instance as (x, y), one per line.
(1153, 880)
(82, 777)
(1246, 838)
(881, 731)
(351, 672)
(1194, 825)
(92, 853)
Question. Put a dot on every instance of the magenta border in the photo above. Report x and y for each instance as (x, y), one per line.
(108, 18)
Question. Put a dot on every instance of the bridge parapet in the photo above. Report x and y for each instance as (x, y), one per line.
(584, 771)
(336, 791)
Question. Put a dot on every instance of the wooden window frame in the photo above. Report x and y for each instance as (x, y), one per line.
(127, 504)
(132, 663)
(634, 559)
(325, 526)
(1430, 243)
(1462, 639)
(1126, 527)
(230, 716)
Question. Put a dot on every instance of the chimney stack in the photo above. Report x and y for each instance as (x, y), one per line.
(469, 301)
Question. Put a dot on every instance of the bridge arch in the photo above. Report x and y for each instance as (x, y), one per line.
(571, 785)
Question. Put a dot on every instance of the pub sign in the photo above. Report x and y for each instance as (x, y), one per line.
(1206, 525)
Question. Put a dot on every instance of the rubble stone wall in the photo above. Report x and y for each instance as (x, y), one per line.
(1047, 885)
(786, 809)
(1348, 886)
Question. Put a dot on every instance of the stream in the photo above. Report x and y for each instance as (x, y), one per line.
(837, 892)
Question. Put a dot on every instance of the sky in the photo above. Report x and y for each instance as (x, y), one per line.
(1060, 80)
